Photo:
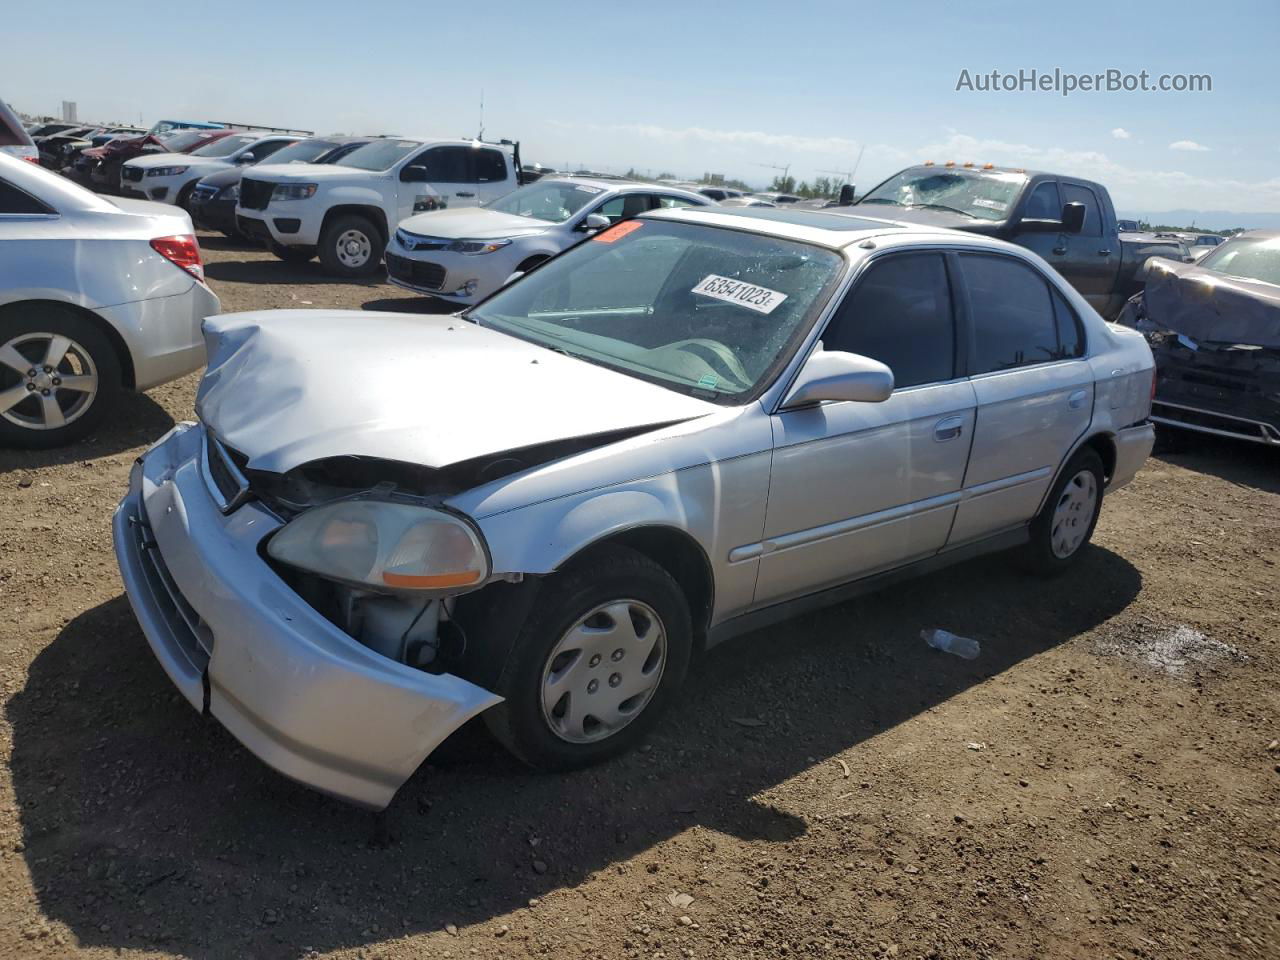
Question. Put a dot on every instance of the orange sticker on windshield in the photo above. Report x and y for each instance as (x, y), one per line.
(617, 231)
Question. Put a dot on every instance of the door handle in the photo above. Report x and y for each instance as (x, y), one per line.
(1077, 399)
(460, 193)
(948, 429)
(1104, 253)
(1060, 251)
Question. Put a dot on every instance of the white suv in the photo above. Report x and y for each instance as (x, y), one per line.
(345, 212)
(170, 177)
(465, 255)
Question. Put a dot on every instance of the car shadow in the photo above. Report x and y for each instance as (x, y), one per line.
(145, 825)
(1236, 461)
(431, 305)
(219, 241)
(137, 420)
(275, 271)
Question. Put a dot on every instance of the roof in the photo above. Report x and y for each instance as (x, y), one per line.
(620, 184)
(828, 229)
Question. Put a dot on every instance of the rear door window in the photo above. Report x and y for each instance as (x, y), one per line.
(1014, 318)
(490, 166)
(14, 201)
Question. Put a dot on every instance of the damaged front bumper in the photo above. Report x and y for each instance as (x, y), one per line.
(302, 695)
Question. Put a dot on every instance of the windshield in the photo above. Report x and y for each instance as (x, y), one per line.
(304, 151)
(380, 154)
(224, 146)
(554, 201)
(178, 142)
(707, 311)
(981, 195)
(1253, 258)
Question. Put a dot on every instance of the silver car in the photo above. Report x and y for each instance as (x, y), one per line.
(465, 254)
(96, 296)
(693, 424)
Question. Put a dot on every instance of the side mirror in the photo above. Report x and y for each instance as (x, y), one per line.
(836, 375)
(593, 222)
(1072, 217)
(846, 196)
(246, 157)
(414, 174)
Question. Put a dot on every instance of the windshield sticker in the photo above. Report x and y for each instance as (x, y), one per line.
(583, 188)
(617, 231)
(759, 299)
(990, 204)
(708, 380)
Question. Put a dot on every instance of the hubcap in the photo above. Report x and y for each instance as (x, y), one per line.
(46, 381)
(1073, 514)
(604, 671)
(354, 248)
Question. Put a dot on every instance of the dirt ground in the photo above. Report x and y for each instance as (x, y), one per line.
(1102, 781)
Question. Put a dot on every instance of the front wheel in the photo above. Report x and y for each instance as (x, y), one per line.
(351, 246)
(603, 653)
(59, 375)
(1066, 521)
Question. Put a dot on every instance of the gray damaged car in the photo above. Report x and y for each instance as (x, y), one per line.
(693, 424)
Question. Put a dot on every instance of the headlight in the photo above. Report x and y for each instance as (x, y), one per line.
(293, 191)
(384, 545)
(232, 192)
(474, 247)
(166, 171)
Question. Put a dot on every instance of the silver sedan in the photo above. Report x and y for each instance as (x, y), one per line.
(691, 425)
(96, 296)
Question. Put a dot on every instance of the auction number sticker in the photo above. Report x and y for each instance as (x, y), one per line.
(990, 204)
(759, 299)
(617, 231)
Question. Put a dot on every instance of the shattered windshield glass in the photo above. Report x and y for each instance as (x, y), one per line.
(983, 195)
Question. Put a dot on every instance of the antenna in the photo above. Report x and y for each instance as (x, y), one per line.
(849, 174)
(773, 166)
(481, 137)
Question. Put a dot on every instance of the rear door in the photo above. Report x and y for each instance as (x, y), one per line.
(1034, 390)
(861, 487)
(494, 176)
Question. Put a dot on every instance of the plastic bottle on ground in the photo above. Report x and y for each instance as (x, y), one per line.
(948, 642)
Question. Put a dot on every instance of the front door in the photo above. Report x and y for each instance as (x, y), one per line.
(1033, 386)
(861, 487)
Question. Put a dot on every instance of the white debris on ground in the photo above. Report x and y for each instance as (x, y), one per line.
(1177, 651)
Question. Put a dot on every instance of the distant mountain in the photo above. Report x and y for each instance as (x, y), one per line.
(1206, 219)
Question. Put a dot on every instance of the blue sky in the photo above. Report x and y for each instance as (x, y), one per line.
(699, 86)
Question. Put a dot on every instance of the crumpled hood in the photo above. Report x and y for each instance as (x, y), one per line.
(1212, 307)
(473, 223)
(288, 387)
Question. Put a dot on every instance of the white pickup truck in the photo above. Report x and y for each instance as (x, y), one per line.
(345, 211)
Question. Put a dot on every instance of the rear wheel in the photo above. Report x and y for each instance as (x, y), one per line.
(59, 376)
(184, 196)
(1065, 523)
(292, 254)
(351, 246)
(602, 654)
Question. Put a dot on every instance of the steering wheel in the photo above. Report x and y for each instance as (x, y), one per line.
(727, 356)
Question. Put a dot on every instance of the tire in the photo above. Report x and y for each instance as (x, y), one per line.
(1065, 524)
(291, 254)
(532, 262)
(554, 731)
(184, 197)
(351, 246)
(27, 331)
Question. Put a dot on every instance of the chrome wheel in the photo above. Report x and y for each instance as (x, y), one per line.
(46, 381)
(354, 248)
(604, 671)
(1073, 514)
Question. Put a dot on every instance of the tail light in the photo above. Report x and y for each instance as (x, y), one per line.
(182, 251)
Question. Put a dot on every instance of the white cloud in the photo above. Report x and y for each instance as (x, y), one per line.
(1188, 145)
(1120, 133)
